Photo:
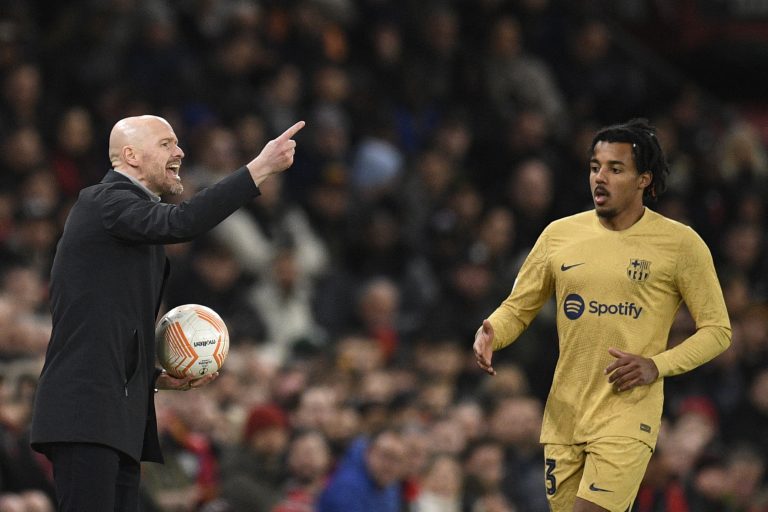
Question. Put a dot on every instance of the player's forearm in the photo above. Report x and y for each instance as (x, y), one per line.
(506, 326)
(702, 346)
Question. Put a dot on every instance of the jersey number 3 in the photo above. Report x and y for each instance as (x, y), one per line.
(550, 477)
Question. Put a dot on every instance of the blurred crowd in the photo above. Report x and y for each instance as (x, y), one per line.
(441, 138)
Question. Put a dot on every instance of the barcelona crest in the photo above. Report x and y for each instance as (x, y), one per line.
(638, 270)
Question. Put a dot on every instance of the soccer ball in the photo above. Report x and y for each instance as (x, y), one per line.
(191, 340)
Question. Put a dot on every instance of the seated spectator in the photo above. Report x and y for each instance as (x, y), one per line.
(308, 462)
(213, 277)
(483, 462)
(25, 476)
(749, 422)
(516, 423)
(252, 472)
(256, 234)
(284, 299)
(190, 475)
(27, 501)
(745, 476)
(441, 486)
(368, 478)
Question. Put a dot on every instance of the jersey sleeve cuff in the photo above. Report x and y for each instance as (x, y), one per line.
(661, 364)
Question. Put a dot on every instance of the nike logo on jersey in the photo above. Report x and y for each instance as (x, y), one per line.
(593, 487)
(565, 267)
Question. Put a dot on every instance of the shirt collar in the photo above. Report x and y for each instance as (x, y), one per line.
(154, 197)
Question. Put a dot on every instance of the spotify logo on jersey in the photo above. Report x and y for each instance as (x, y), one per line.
(573, 306)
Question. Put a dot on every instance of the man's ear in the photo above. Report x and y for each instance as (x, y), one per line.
(645, 179)
(130, 156)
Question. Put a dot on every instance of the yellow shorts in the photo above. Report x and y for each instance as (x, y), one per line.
(606, 471)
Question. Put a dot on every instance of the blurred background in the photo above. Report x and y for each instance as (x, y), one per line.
(441, 138)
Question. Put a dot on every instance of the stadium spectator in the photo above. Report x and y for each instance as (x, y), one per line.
(308, 462)
(441, 486)
(190, 474)
(368, 477)
(517, 81)
(73, 158)
(516, 422)
(284, 298)
(261, 230)
(252, 471)
(748, 421)
(483, 463)
(213, 276)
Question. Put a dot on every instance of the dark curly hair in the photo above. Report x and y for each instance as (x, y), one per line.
(649, 157)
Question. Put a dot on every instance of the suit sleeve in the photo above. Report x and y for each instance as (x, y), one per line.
(533, 287)
(700, 289)
(127, 218)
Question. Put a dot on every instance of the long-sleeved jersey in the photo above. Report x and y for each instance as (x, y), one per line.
(617, 289)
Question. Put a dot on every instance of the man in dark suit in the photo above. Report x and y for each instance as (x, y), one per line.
(94, 414)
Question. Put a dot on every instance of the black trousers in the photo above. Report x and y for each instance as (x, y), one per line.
(94, 478)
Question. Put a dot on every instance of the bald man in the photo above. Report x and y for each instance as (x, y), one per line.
(94, 413)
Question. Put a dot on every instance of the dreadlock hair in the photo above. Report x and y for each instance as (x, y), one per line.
(649, 157)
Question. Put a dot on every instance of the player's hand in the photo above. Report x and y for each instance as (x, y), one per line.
(276, 156)
(483, 347)
(166, 381)
(630, 370)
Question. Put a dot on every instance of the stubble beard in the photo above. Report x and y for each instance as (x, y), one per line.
(605, 213)
(169, 185)
(175, 188)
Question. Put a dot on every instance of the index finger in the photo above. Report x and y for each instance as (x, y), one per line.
(290, 132)
(616, 352)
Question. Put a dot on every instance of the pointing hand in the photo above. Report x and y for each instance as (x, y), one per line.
(276, 156)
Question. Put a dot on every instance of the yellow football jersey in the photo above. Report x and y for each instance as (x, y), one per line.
(615, 289)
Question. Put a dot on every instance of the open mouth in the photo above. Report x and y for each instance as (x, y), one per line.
(600, 195)
(173, 169)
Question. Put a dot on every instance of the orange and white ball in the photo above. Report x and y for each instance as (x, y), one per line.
(192, 340)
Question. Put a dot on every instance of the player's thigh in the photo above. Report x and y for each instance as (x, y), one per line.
(613, 470)
(563, 467)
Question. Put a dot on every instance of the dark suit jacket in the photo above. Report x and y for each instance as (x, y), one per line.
(107, 280)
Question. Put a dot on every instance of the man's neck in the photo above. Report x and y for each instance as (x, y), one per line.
(135, 180)
(623, 220)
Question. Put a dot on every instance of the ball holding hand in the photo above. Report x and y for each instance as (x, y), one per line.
(166, 381)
